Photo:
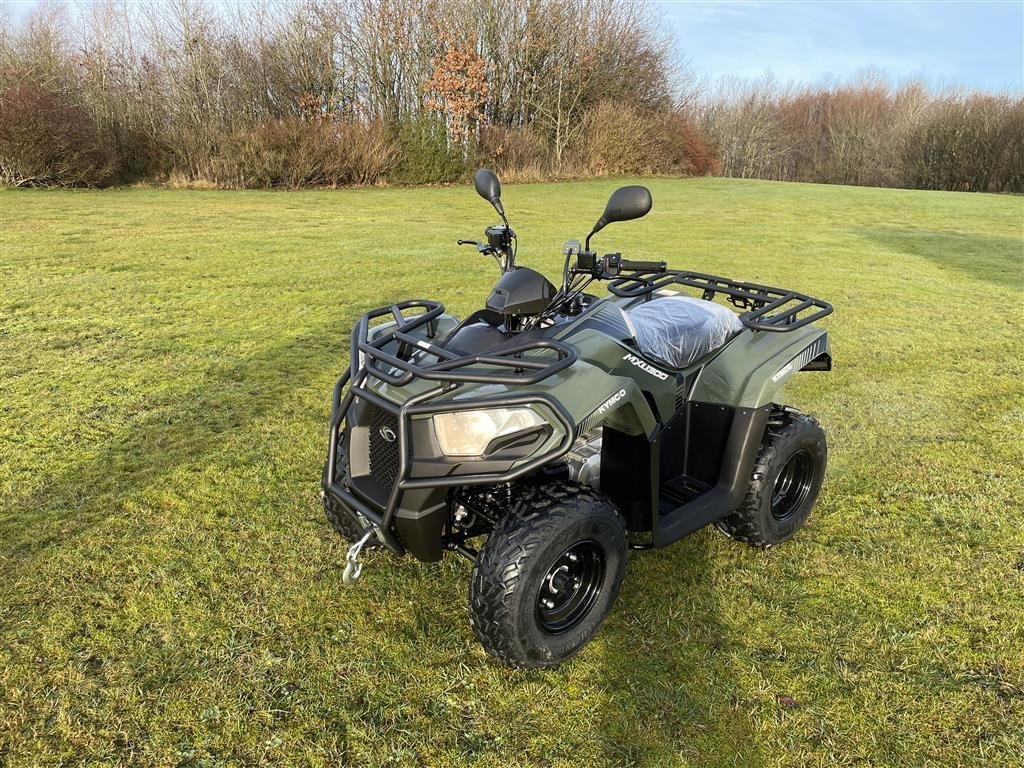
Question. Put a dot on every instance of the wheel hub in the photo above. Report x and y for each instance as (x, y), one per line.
(571, 587)
(793, 485)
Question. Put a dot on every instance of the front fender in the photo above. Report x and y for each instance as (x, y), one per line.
(592, 397)
(625, 409)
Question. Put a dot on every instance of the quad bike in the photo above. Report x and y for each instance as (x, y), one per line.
(547, 434)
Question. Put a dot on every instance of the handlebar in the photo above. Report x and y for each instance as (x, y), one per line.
(643, 266)
(611, 264)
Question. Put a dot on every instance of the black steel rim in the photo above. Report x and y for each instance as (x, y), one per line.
(571, 587)
(793, 485)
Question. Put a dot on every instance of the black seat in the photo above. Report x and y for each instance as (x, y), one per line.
(679, 330)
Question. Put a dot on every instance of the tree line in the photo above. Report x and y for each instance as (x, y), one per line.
(327, 92)
(868, 132)
(266, 93)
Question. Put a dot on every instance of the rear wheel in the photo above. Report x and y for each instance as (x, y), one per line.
(788, 473)
(548, 575)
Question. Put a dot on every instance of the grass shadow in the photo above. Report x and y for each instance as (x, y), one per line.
(176, 428)
(988, 258)
(671, 698)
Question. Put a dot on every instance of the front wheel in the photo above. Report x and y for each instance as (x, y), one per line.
(348, 523)
(548, 575)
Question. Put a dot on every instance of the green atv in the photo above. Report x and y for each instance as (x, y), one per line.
(547, 434)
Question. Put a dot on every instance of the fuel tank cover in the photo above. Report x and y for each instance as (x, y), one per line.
(523, 291)
(475, 339)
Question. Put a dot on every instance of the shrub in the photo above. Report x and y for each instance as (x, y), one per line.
(621, 140)
(1013, 148)
(426, 155)
(615, 141)
(44, 142)
(512, 151)
(140, 155)
(305, 153)
(972, 144)
(684, 149)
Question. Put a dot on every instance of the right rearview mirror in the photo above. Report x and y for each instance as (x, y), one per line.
(625, 203)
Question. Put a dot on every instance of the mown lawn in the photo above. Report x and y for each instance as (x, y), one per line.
(170, 593)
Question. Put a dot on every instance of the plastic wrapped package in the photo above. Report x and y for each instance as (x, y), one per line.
(679, 330)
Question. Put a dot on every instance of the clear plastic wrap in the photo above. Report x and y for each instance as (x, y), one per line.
(679, 330)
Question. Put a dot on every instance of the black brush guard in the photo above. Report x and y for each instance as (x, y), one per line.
(769, 309)
(450, 371)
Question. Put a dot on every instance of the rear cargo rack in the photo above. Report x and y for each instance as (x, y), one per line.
(768, 309)
(407, 362)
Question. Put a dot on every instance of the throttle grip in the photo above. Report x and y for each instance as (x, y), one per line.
(643, 266)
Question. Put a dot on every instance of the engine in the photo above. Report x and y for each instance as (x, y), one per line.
(584, 459)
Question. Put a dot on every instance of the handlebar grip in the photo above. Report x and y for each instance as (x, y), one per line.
(643, 266)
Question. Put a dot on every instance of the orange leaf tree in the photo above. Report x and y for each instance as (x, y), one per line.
(457, 89)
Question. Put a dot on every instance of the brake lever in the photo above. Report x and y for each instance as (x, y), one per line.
(485, 248)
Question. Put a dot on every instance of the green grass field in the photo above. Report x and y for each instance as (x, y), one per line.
(171, 594)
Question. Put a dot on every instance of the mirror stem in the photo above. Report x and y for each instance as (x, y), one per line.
(496, 202)
(597, 228)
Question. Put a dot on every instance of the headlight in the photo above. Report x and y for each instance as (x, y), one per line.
(468, 433)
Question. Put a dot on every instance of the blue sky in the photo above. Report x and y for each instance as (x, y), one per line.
(976, 44)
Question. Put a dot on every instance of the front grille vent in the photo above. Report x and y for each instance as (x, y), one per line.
(383, 459)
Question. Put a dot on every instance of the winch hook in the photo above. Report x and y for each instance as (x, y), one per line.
(353, 568)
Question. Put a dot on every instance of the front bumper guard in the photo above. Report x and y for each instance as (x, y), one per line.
(451, 372)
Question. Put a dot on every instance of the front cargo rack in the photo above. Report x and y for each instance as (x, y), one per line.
(767, 308)
(507, 365)
(404, 363)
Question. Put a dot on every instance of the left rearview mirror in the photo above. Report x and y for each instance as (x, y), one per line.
(487, 185)
(489, 188)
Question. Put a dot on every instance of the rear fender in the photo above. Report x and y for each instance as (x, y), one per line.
(753, 367)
